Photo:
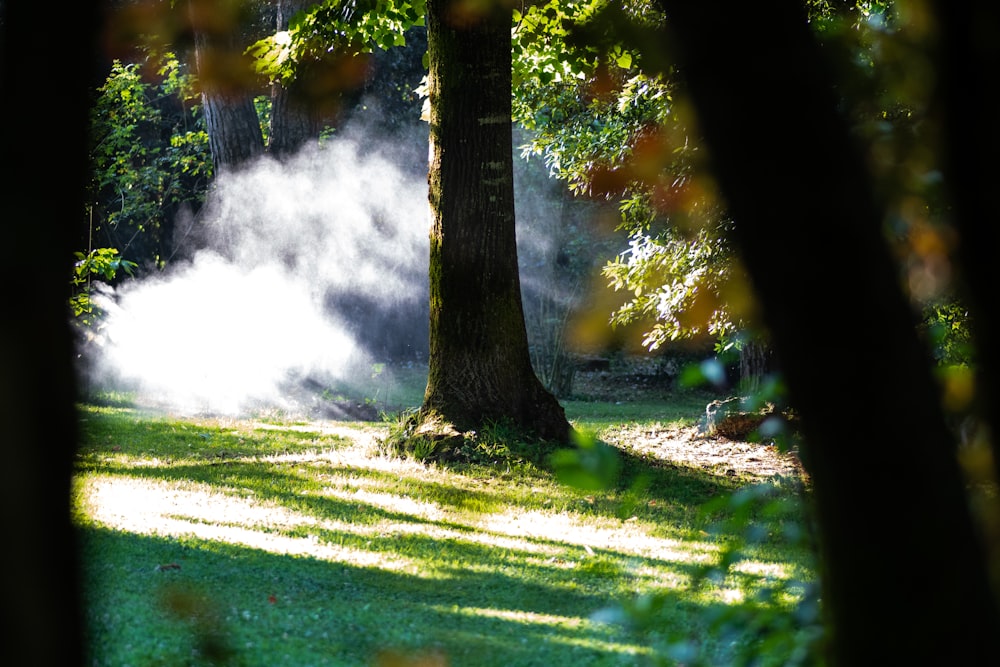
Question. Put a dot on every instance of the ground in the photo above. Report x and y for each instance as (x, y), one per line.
(686, 446)
(148, 509)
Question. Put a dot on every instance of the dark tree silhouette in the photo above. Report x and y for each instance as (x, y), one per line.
(904, 572)
(45, 155)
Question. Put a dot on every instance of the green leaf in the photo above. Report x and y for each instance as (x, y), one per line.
(592, 466)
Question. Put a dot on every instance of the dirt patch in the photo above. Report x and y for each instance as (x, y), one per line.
(718, 455)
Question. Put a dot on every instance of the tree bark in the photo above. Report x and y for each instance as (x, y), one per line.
(904, 573)
(479, 367)
(234, 134)
(293, 122)
(227, 83)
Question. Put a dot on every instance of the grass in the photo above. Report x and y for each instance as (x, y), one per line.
(252, 542)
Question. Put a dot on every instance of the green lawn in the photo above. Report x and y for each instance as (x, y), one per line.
(270, 542)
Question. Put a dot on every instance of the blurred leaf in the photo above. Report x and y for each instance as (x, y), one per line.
(592, 466)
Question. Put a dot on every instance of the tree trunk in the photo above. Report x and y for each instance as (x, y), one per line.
(227, 83)
(41, 617)
(753, 365)
(967, 66)
(292, 124)
(479, 367)
(234, 135)
(904, 573)
(293, 120)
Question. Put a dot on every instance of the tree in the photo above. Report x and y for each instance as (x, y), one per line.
(479, 367)
(227, 83)
(149, 159)
(922, 571)
(293, 121)
(42, 194)
(612, 127)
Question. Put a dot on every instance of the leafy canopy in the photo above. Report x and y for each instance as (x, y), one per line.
(335, 29)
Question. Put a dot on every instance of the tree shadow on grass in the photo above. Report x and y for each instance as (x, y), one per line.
(159, 601)
(361, 525)
(478, 603)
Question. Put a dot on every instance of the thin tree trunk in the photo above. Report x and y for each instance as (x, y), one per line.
(904, 574)
(479, 366)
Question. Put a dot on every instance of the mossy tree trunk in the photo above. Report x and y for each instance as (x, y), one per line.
(479, 366)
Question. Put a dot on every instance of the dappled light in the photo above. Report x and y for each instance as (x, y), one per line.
(169, 510)
(490, 558)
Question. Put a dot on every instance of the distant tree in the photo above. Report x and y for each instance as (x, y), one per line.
(479, 366)
(323, 87)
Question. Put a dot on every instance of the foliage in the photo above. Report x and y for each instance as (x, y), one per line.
(780, 624)
(334, 28)
(102, 262)
(783, 617)
(149, 157)
(677, 283)
(586, 110)
(608, 113)
(947, 324)
(591, 466)
(612, 128)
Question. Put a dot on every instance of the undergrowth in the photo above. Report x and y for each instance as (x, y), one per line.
(499, 443)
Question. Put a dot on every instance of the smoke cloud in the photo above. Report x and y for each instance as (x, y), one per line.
(307, 270)
(303, 275)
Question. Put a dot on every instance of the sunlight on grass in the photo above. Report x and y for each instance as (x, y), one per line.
(287, 527)
(143, 507)
(148, 507)
(624, 536)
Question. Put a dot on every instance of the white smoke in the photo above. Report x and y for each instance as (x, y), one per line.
(308, 272)
(256, 307)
